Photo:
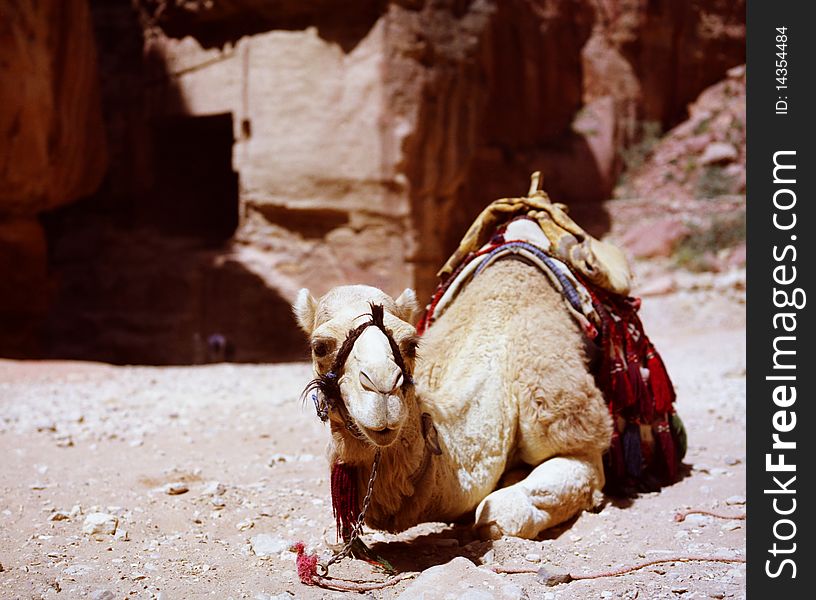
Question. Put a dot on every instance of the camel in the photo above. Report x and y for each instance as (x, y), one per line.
(501, 385)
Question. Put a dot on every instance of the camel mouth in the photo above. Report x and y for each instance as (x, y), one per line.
(383, 437)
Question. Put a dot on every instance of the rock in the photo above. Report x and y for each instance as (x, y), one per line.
(659, 286)
(60, 515)
(137, 576)
(278, 458)
(214, 488)
(718, 152)
(175, 488)
(102, 595)
(265, 545)
(121, 535)
(99, 523)
(735, 500)
(532, 557)
(460, 579)
(77, 570)
(244, 524)
(374, 113)
(658, 238)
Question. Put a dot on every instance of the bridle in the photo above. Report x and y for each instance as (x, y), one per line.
(325, 388)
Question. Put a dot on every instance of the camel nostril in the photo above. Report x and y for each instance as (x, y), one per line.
(366, 382)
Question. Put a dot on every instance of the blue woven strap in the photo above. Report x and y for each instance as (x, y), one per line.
(569, 290)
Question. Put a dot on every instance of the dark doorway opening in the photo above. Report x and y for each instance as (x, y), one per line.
(195, 188)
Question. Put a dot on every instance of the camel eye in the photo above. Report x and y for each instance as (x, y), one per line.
(321, 348)
(409, 347)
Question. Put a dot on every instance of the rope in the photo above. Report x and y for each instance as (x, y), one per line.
(681, 516)
(350, 585)
(557, 578)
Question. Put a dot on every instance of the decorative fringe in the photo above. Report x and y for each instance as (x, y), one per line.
(345, 500)
(632, 453)
(665, 442)
(306, 564)
(662, 388)
(640, 393)
(617, 466)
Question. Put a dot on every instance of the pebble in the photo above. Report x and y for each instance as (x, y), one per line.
(735, 500)
(137, 576)
(532, 557)
(99, 523)
(76, 570)
(245, 524)
(732, 526)
(176, 488)
(102, 595)
(60, 515)
(732, 460)
(460, 579)
(214, 488)
(278, 458)
(264, 545)
(718, 152)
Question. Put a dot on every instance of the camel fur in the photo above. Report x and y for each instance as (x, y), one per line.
(505, 376)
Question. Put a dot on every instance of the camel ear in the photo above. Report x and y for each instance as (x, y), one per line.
(304, 308)
(407, 306)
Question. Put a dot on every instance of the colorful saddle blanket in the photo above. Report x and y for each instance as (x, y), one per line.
(648, 441)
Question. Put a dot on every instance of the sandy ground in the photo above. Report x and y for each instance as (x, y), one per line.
(79, 438)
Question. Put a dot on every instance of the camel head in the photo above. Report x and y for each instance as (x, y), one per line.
(363, 346)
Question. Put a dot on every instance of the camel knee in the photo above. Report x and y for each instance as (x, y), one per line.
(554, 492)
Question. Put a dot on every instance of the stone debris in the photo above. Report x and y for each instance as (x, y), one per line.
(175, 488)
(77, 570)
(460, 579)
(214, 488)
(265, 545)
(244, 524)
(102, 595)
(718, 152)
(735, 500)
(99, 523)
(532, 557)
(60, 515)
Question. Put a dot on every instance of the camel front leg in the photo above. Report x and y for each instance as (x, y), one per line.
(553, 492)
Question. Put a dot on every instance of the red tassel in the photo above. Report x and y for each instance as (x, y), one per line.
(667, 450)
(306, 564)
(659, 381)
(622, 393)
(345, 501)
(640, 393)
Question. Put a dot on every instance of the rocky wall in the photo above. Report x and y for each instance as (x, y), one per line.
(259, 147)
(52, 148)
